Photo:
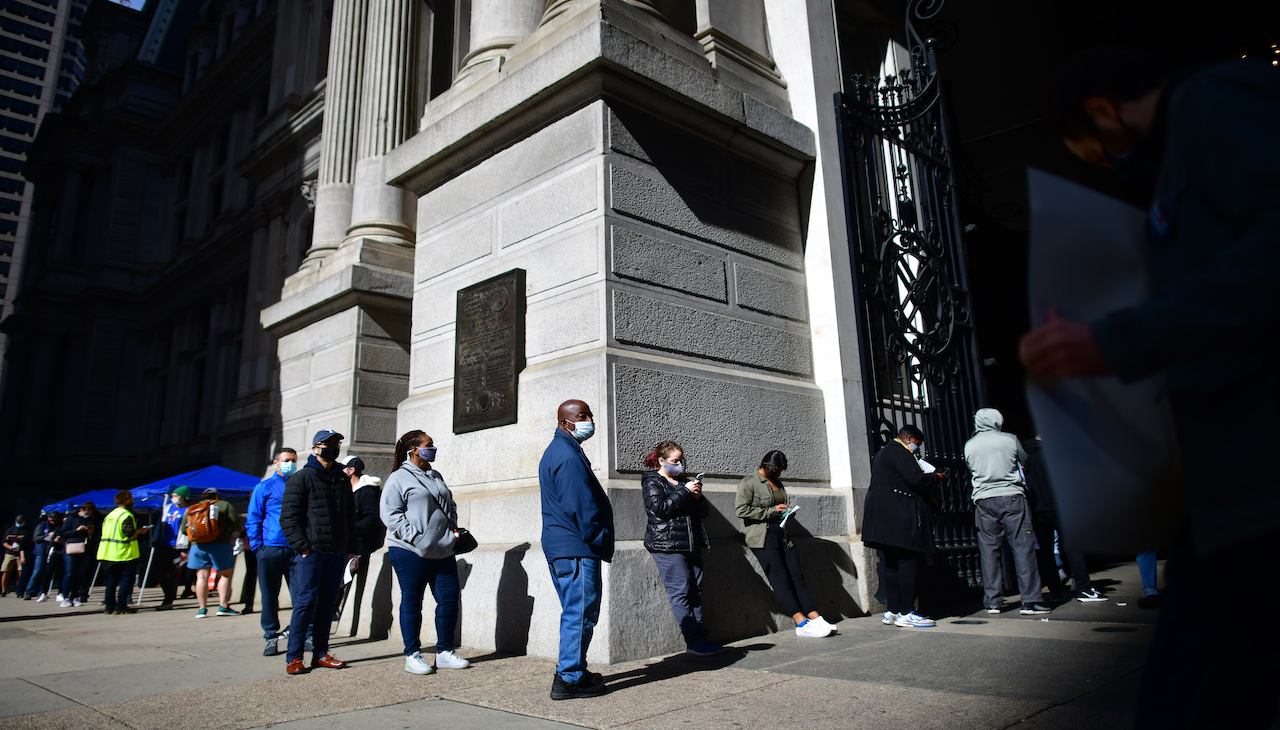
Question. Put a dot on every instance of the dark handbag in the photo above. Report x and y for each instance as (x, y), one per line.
(466, 542)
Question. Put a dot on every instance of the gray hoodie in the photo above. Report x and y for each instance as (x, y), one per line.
(410, 508)
(993, 457)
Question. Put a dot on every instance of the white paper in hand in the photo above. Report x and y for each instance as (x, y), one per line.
(926, 467)
(1110, 448)
(787, 515)
(347, 573)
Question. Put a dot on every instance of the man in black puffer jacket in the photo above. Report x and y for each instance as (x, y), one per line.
(318, 518)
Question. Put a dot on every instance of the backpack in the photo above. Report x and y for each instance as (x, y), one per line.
(202, 522)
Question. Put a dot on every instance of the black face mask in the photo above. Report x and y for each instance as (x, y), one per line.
(1132, 166)
(329, 453)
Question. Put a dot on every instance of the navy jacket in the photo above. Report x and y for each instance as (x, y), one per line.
(577, 519)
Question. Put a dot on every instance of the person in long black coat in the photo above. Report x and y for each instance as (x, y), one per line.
(897, 520)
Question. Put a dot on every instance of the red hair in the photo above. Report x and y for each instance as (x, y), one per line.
(661, 451)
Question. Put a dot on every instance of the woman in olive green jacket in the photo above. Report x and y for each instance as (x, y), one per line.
(761, 503)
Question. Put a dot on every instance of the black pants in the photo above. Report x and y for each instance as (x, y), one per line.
(1211, 673)
(1045, 524)
(119, 582)
(781, 566)
(166, 564)
(901, 567)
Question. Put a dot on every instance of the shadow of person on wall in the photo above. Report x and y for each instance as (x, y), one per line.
(464, 571)
(380, 612)
(823, 562)
(515, 605)
(731, 588)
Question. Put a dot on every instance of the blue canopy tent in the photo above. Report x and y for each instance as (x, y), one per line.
(99, 497)
(231, 485)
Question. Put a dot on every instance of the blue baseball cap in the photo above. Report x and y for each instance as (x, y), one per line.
(324, 435)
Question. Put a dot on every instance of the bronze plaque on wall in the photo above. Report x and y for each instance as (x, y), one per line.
(489, 352)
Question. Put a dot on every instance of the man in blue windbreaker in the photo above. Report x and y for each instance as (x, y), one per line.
(267, 542)
(577, 534)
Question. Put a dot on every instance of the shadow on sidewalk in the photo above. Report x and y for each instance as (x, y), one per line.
(679, 665)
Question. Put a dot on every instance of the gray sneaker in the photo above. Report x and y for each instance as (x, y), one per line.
(273, 646)
(1035, 609)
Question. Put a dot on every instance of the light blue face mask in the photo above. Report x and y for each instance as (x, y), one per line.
(287, 468)
(427, 453)
(583, 430)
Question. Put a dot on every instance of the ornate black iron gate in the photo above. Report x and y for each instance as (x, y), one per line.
(919, 356)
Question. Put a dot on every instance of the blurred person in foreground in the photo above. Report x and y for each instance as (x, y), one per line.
(1208, 143)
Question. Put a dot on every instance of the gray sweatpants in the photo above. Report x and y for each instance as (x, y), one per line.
(1000, 519)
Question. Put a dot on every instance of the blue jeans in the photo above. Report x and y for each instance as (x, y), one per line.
(414, 575)
(1147, 569)
(34, 581)
(578, 585)
(274, 563)
(73, 568)
(317, 581)
(120, 577)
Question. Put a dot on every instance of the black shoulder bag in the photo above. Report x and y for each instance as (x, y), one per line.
(466, 542)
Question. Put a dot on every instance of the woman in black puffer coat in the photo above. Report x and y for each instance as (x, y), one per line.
(676, 538)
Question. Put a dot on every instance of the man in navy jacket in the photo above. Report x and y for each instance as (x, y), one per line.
(269, 545)
(577, 534)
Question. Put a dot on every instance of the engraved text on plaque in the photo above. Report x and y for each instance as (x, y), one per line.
(489, 352)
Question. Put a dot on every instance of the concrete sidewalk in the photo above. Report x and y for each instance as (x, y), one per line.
(73, 668)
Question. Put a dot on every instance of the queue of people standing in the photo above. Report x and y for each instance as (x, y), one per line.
(307, 523)
(1013, 504)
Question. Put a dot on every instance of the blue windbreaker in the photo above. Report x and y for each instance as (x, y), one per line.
(263, 523)
(577, 519)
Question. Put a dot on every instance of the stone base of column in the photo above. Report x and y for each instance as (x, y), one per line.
(655, 206)
(332, 219)
(509, 604)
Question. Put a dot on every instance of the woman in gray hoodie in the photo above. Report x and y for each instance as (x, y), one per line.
(420, 516)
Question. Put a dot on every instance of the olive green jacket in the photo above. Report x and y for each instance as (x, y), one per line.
(754, 504)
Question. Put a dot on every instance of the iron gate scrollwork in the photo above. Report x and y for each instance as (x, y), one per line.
(920, 358)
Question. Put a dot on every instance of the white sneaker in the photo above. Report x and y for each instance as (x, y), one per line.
(830, 626)
(889, 618)
(913, 620)
(813, 629)
(65, 604)
(993, 609)
(416, 664)
(43, 597)
(59, 598)
(76, 602)
(450, 660)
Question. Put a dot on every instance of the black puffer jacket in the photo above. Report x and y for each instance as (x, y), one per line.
(370, 532)
(675, 516)
(318, 512)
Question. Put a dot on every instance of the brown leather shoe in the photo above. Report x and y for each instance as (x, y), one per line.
(296, 667)
(328, 661)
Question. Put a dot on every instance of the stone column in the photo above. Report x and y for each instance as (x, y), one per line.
(497, 25)
(556, 7)
(379, 211)
(735, 36)
(338, 137)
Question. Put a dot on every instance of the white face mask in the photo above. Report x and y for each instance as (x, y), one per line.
(674, 470)
(583, 430)
(912, 445)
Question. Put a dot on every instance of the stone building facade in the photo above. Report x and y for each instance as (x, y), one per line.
(665, 175)
(291, 193)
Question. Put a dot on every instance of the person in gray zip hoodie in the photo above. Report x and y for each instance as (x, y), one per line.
(418, 510)
(1001, 512)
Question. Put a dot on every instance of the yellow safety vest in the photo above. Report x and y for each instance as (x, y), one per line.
(114, 546)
